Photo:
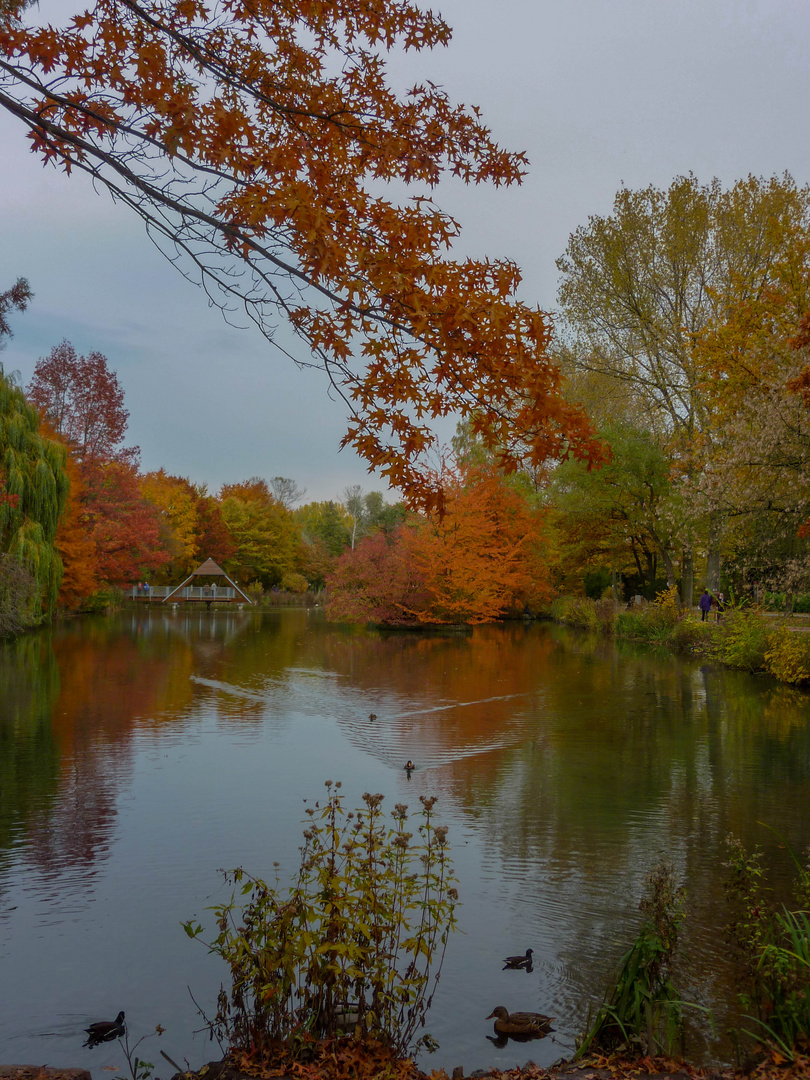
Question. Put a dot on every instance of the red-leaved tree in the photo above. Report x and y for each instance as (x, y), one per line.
(84, 403)
(125, 527)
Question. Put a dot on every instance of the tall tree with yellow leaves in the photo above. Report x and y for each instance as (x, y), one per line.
(641, 286)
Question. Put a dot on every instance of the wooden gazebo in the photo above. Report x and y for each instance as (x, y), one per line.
(208, 593)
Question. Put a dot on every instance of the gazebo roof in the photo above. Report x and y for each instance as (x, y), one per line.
(208, 569)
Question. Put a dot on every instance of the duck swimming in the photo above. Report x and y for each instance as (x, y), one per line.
(409, 766)
(517, 962)
(520, 1023)
(105, 1030)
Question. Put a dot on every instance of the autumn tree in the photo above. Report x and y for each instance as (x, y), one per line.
(192, 527)
(760, 474)
(640, 286)
(75, 544)
(483, 557)
(124, 526)
(376, 583)
(263, 146)
(262, 530)
(177, 504)
(213, 538)
(83, 402)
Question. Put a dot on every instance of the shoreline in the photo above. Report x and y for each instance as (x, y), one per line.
(595, 1067)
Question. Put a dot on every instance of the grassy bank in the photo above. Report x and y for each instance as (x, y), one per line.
(744, 637)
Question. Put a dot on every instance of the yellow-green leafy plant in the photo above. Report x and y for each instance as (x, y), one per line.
(743, 641)
(294, 583)
(787, 657)
(352, 949)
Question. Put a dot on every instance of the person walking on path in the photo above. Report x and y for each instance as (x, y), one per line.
(705, 604)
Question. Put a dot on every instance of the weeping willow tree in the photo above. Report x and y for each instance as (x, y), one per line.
(33, 492)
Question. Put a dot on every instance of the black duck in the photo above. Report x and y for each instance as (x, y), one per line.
(105, 1030)
(517, 962)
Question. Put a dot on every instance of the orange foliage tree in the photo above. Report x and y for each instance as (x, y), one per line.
(484, 557)
(125, 528)
(73, 539)
(258, 141)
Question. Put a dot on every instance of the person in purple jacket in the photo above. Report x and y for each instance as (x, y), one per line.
(705, 605)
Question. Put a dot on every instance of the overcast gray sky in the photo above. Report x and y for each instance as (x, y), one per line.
(599, 93)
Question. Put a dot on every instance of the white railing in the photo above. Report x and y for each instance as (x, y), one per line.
(189, 592)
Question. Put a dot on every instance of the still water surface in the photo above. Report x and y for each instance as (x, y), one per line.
(141, 753)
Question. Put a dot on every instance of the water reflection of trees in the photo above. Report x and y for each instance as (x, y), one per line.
(577, 762)
(75, 697)
(594, 763)
(29, 758)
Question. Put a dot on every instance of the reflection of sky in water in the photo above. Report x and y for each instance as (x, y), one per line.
(178, 745)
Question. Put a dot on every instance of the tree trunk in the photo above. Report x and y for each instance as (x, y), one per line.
(687, 578)
(665, 555)
(713, 560)
(615, 580)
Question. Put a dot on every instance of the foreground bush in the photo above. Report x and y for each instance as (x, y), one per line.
(353, 949)
(772, 949)
(643, 1011)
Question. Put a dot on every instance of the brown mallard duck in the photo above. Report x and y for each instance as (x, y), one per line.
(517, 962)
(520, 1023)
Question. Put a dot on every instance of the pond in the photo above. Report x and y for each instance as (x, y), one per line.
(141, 753)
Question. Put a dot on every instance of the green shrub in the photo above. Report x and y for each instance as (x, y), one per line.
(630, 624)
(743, 640)
(102, 602)
(575, 611)
(20, 597)
(690, 635)
(294, 583)
(787, 657)
(254, 591)
(772, 949)
(643, 1011)
(596, 580)
(349, 949)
